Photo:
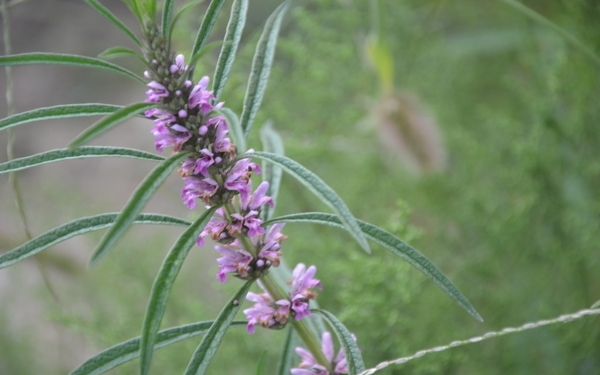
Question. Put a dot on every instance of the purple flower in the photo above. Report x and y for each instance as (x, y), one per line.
(262, 312)
(254, 201)
(187, 167)
(176, 136)
(205, 161)
(233, 261)
(274, 237)
(162, 116)
(266, 312)
(301, 293)
(239, 174)
(202, 98)
(215, 228)
(309, 366)
(221, 143)
(156, 92)
(179, 65)
(195, 188)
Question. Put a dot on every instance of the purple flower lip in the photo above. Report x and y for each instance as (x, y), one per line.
(309, 366)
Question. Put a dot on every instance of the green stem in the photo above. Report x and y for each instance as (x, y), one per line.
(546, 22)
(312, 343)
(12, 176)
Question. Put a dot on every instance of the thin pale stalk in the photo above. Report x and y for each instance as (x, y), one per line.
(13, 3)
(527, 326)
(12, 176)
(535, 16)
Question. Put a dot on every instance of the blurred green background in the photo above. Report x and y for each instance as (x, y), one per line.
(477, 142)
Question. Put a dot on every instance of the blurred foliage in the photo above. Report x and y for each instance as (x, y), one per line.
(513, 219)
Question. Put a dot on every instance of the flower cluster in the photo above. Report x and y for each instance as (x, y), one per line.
(275, 314)
(309, 366)
(186, 119)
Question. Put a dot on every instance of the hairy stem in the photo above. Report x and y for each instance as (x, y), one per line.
(12, 176)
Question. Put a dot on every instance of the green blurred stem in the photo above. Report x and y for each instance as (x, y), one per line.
(312, 343)
(12, 176)
(546, 22)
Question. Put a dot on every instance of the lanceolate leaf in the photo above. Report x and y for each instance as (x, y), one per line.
(235, 129)
(167, 14)
(210, 17)
(114, 52)
(195, 58)
(110, 122)
(150, 8)
(134, 7)
(287, 354)
(68, 154)
(112, 18)
(56, 112)
(136, 203)
(130, 349)
(183, 10)
(232, 40)
(353, 356)
(261, 66)
(320, 189)
(161, 288)
(397, 247)
(76, 228)
(538, 18)
(64, 59)
(212, 339)
(272, 143)
(260, 367)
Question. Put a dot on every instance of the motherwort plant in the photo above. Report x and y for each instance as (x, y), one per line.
(206, 143)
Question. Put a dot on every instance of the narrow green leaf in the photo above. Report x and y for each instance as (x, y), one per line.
(260, 367)
(533, 15)
(130, 349)
(64, 59)
(76, 228)
(56, 112)
(135, 9)
(151, 8)
(272, 143)
(167, 14)
(68, 154)
(353, 356)
(109, 122)
(212, 339)
(183, 10)
(396, 246)
(595, 305)
(287, 354)
(320, 189)
(233, 35)
(261, 66)
(234, 126)
(157, 303)
(112, 18)
(136, 203)
(195, 58)
(210, 17)
(115, 52)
